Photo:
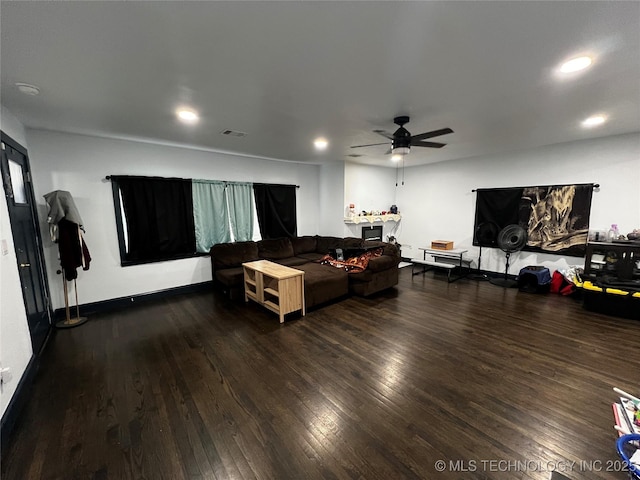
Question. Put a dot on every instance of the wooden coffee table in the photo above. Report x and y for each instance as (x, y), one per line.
(274, 286)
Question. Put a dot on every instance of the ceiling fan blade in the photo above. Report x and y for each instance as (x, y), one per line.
(388, 152)
(435, 133)
(384, 133)
(420, 143)
(369, 145)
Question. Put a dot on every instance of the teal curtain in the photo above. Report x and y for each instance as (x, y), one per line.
(241, 210)
(210, 214)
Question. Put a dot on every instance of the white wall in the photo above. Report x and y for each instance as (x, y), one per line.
(10, 125)
(437, 202)
(15, 341)
(371, 188)
(331, 202)
(79, 164)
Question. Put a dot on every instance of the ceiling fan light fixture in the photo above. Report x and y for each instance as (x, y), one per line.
(400, 151)
(396, 158)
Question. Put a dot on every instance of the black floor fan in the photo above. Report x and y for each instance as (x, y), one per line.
(511, 239)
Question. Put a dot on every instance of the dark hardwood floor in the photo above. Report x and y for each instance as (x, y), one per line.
(497, 383)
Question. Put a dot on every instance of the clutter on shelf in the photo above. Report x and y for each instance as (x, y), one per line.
(613, 235)
(371, 216)
(350, 211)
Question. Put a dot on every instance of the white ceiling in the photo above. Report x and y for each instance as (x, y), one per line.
(287, 72)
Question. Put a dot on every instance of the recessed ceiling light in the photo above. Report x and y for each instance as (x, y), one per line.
(576, 64)
(594, 121)
(28, 89)
(320, 143)
(396, 158)
(187, 115)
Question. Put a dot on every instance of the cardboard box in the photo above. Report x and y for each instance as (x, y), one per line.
(442, 245)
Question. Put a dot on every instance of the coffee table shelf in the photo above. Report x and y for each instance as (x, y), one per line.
(274, 286)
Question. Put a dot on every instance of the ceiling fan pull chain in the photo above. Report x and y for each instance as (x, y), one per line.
(397, 173)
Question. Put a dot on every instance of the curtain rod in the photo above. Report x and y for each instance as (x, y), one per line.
(277, 184)
(594, 185)
(108, 177)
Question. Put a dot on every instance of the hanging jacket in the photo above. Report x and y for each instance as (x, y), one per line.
(73, 250)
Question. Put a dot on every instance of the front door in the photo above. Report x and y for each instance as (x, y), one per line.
(26, 238)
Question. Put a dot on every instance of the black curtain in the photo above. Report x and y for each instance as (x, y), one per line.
(276, 210)
(159, 214)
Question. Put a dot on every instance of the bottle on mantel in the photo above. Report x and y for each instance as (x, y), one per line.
(613, 232)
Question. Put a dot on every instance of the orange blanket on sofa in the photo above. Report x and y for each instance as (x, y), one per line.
(355, 264)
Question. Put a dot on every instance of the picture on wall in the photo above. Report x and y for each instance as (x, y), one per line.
(556, 217)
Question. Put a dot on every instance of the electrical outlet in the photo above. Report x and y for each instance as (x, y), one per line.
(5, 247)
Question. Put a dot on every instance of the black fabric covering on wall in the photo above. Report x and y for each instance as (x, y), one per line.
(159, 213)
(276, 210)
(556, 217)
(499, 207)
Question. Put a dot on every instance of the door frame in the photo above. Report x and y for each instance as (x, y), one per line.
(40, 259)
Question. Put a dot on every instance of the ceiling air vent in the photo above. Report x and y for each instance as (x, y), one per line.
(233, 133)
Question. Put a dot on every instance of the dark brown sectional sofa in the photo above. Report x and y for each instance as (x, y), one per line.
(323, 283)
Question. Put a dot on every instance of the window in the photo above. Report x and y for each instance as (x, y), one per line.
(154, 217)
(160, 219)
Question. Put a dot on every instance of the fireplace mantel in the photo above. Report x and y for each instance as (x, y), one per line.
(373, 218)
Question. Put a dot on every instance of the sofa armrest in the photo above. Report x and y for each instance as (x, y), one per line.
(382, 263)
(387, 248)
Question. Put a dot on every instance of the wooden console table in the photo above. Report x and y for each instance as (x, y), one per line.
(448, 259)
(274, 286)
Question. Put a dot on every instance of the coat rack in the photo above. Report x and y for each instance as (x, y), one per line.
(66, 228)
(69, 322)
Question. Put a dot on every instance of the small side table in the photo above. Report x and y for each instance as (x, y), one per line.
(274, 286)
(448, 259)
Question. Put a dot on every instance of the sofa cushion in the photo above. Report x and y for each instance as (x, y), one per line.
(324, 244)
(311, 257)
(306, 244)
(229, 255)
(323, 283)
(231, 277)
(275, 248)
(376, 282)
(291, 261)
(360, 277)
(352, 242)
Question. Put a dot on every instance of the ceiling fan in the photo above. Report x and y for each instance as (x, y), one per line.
(402, 140)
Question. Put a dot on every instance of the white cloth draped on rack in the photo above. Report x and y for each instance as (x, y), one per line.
(61, 205)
